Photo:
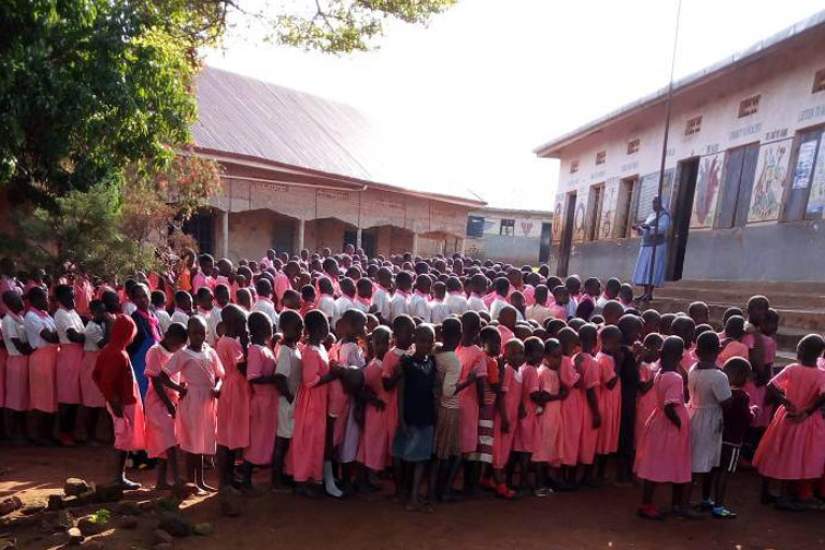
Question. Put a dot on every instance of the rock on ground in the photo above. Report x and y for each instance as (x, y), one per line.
(74, 486)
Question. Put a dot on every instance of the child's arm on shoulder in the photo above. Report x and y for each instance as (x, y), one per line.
(672, 415)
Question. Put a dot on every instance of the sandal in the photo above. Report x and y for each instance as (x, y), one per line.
(720, 512)
(648, 511)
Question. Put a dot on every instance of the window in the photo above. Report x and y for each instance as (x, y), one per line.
(508, 228)
(749, 106)
(735, 196)
(806, 196)
(624, 208)
(819, 81)
(475, 226)
(693, 126)
(633, 146)
(574, 166)
(201, 228)
(601, 157)
(594, 212)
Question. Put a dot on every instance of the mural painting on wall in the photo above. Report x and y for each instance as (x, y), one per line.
(648, 188)
(526, 228)
(578, 222)
(771, 169)
(708, 181)
(611, 195)
(816, 200)
(557, 213)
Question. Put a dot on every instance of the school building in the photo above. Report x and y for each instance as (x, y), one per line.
(513, 236)
(300, 171)
(744, 174)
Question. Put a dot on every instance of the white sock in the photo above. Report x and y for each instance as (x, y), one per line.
(329, 481)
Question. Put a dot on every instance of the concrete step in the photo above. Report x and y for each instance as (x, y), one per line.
(752, 287)
(808, 320)
(784, 358)
(785, 300)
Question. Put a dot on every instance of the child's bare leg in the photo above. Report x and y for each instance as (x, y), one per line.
(648, 488)
(225, 460)
(120, 474)
(162, 483)
(281, 447)
(67, 419)
(418, 473)
(398, 475)
(452, 473)
(435, 476)
(329, 479)
(721, 486)
(172, 461)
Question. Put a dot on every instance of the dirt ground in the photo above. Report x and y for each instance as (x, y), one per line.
(594, 518)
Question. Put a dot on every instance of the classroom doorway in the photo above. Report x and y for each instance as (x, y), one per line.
(681, 210)
(567, 236)
(544, 243)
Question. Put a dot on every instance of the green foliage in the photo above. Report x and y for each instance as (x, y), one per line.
(101, 517)
(86, 88)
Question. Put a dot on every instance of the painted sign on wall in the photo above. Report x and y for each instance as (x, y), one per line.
(816, 201)
(708, 181)
(771, 170)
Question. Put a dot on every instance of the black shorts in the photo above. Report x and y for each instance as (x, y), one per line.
(730, 457)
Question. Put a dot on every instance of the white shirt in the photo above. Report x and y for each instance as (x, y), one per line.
(164, 320)
(94, 334)
(288, 365)
(381, 300)
(439, 310)
(496, 307)
(398, 304)
(64, 320)
(35, 324)
(342, 304)
(475, 303)
(13, 327)
(265, 305)
(326, 303)
(456, 302)
(212, 322)
(128, 307)
(179, 316)
(418, 306)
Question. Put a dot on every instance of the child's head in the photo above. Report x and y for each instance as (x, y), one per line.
(561, 295)
(631, 327)
(490, 339)
(597, 320)
(588, 334)
(175, 337)
(244, 298)
(533, 351)
(707, 347)
(402, 328)
(652, 347)
(423, 283)
(64, 294)
(684, 328)
(699, 312)
(222, 295)
(569, 341)
(403, 281)
(183, 301)
(204, 297)
(439, 290)
(291, 326)
(650, 321)
(364, 288)
(612, 312)
(611, 337)
(666, 324)
(379, 341)
(502, 286)
(612, 287)
(514, 352)
(316, 326)
(573, 284)
(810, 349)
(730, 312)
(454, 284)
(196, 331)
(771, 322)
(757, 309)
(735, 327)
(672, 350)
(541, 294)
(576, 323)
(263, 287)
(355, 322)
(348, 287)
(552, 353)
(592, 286)
(140, 296)
(738, 371)
(372, 322)
(478, 283)
(158, 299)
(98, 311)
(111, 301)
(451, 333)
(523, 331)
(424, 340)
(308, 294)
(207, 264)
(508, 316)
(626, 293)
(234, 321)
(260, 327)
(291, 300)
(703, 328)
(553, 326)
(517, 300)
(330, 267)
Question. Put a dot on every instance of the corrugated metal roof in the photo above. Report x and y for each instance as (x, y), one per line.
(551, 148)
(249, 118)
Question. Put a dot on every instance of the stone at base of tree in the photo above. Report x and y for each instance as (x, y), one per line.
(109, 493)
(75, 535)
(10, 504)
(128, 522)
(203, 529)
(94, 545)
(55, 502)
(128, 508)
(175, 524)
(159, 536)
(89, 526)
(33, 508)
(65, 519)
(169, 504)
(75, 486)
(8, 544)
(163, 546)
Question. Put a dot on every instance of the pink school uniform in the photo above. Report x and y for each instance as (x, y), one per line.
(505, 333)
(389, 366)
(664, 454)
(160, 425)
(571, 413)
(525, 437)
(645, 403)
(69, 357)
(4, 356)
(42, 362)
(196, 419)
(610, 406)
(352, 357)
(794, 450)
(306, 451)
(372, 451)
(16, 396)
(511, 393)
(233, 406)
(263, 406)
(592, 379)
(549, 424)
(732, 349)
(472, 359)
(89, 392)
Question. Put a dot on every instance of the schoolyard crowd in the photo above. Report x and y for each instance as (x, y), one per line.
(337, 370)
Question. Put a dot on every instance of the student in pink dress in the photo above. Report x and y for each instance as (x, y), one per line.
(472, 359)
(233, 407)
(41, 333)
(732, 345)
(70, 331)
(561, 298)
(507, 323)
(792, 448)
(590, 370)
(287, 380)
(664, 454)
(17, 364)
(264, 401)
(549, 422)
(372, 450)
(161, 403)
(648, 368)
(572, 408)
(610, 397)
(95, 337)
(402, 329)
(201, 370)
(525, 441)
(203, 278)
(506, 418)
(115, 378)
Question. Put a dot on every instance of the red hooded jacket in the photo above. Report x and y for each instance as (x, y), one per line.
(113, 370)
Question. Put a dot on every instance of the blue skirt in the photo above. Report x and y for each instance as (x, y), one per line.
(415, 444)
(641, 275)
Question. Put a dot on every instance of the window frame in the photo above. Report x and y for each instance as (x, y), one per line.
(633, 146)
(601, 157)
(693, 126)
(819, 82)
(507, 222)
(750, 102)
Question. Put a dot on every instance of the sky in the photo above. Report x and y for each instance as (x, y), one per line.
(474, 92)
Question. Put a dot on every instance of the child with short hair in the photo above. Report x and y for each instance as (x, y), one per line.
(439, 309)
(287, 380)
(539, 311)
(159, 309)
(732, 345)
(419, 303)
(17, 364)
(474, 360)
(588, 364)
(372, 449)
(549, 421)
(526, 440)
(41, 334)
(648, 362)
(572, 408)
(506, 420)
(183, 308)
(491, 344)
(402, 329)
(161, 404)
(69, 363)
